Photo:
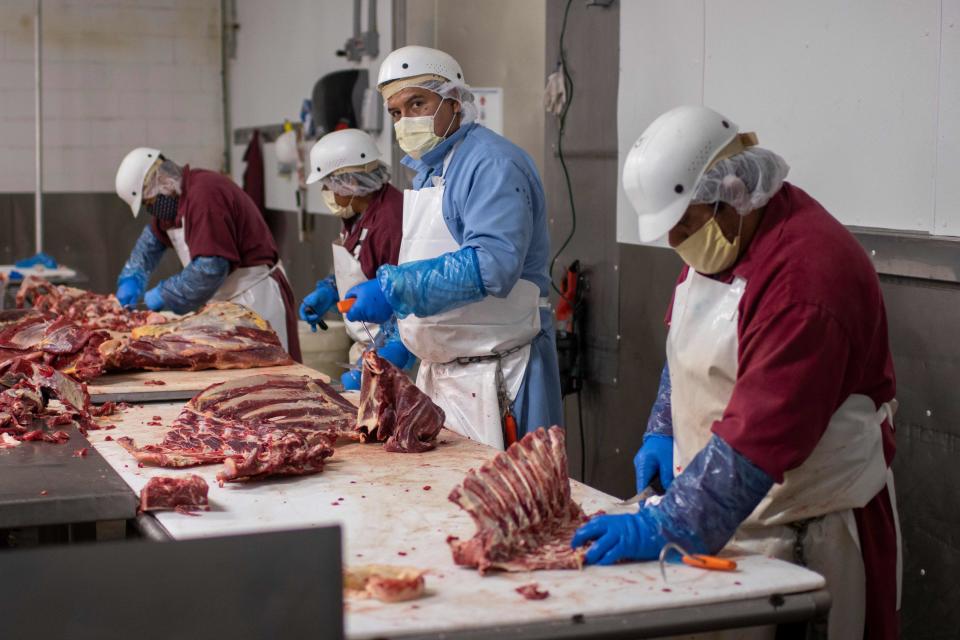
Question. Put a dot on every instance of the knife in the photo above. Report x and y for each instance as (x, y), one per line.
(649, 492)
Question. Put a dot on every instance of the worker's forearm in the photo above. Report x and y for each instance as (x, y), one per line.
(144, 258)
(195, 285)
(661, 418)
(708, 501)
(428, 287)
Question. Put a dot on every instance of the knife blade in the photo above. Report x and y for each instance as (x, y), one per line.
(649, 492)
(345, 305)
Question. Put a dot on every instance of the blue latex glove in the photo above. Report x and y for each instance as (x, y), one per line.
(42, 258)
(654, 457)
(129, 291)
(153, 299)
(428, 287)
(371, 305)
(351, 380)
(632, 536)
(317, 303)
(395, 353)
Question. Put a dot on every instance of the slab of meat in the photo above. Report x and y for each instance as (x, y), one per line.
(257, 426)
(521, 505)
(394, 411)
(58, 342)
(91, 310)
(185, 493)
(25, 388)
(222, 335)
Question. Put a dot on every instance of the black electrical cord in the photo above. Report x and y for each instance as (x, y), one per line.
(568, 81)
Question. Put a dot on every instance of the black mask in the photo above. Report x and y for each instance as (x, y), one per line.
(164, 207)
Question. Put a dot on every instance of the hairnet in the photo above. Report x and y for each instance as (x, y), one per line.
(745, 181)
(163, 178)
(358, 183)
(450, 91)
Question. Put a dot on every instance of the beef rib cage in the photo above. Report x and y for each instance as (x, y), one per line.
(258, 426)
(521, 505)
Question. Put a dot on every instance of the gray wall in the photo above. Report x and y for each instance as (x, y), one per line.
(630, 287)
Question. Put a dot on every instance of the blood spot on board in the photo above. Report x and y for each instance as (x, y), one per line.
(336, 504)
(154, 383)
(737, 582)
(666, 590)
(108, 438)
(401, 553)
(426, 487)
(140, 464)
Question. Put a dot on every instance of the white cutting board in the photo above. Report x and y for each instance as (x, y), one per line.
(390, 517)
(177, 385)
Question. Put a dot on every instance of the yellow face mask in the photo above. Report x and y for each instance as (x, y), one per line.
(708, 251)
(336, 209)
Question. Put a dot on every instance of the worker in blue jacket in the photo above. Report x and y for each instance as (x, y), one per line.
(470, 290)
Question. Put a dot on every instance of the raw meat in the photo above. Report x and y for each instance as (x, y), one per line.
(532, 592)
(279, 453)
(181, 493)
(259, 425)
(393, 410)
(23, 402)
(520, 503)
(386, 583)
(60, 343)
(222, 335)
(91, 310)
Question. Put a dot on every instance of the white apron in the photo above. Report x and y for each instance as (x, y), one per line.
(253, 287)
(845, 470)
(347, 271)
(467, 392)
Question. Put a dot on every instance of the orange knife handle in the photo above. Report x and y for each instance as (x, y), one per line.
(711, 563)
(344, 305)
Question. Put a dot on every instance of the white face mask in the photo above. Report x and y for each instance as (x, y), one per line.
(416, 135)
(345, 212)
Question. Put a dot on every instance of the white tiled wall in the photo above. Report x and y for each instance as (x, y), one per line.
(116, 74)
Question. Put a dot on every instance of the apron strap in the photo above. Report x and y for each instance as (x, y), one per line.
(256, 282)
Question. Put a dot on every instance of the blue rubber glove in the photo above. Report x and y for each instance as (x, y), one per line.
(351, 380)
(318, 302)
(129, 291)
(395, 353)
(153, 299)
(632, 536)
(654, 457)
(428, 287)
(42, 258)
(371, 305)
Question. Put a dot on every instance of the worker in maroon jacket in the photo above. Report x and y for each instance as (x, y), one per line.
(219, 235)
(355, 188)
(776, 431)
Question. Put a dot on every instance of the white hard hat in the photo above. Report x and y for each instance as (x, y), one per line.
(131, 174)
(408, 62)
(341, 149)
(664, 165)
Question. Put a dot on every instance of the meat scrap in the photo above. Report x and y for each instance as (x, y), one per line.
(222, 335)
(259, 425)
(25, 389)
(532, 591)
(521, 505)
(386, 583)
(89, 310)
(180, 493)
(394, 411)
(57, 342)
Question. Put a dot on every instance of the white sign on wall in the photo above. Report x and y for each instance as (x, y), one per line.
(489, 101)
